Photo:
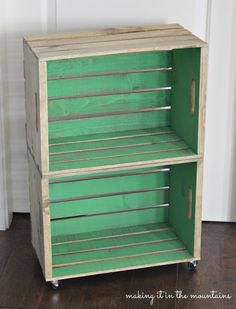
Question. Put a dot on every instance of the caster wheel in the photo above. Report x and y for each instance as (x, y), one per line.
(55, 284)
(192, 265)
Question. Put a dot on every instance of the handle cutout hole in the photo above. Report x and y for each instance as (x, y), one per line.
(193, 90)
(190, 203)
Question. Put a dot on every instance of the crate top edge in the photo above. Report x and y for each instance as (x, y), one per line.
(60, 46)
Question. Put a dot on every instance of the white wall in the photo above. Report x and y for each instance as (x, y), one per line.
(220, 155)
(34, 16)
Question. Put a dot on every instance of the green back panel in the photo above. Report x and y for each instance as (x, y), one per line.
(98, 85)
(115, 123)
(97, 202)
(66, 96)
(115, 220)
(109, 103)
(182, 178)
(109, 63)
(186, 67)
(89, 187)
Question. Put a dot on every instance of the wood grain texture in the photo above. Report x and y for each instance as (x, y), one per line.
(40, 222)
(108, 31)
(43, 114)
(31, 73)
(107, 41)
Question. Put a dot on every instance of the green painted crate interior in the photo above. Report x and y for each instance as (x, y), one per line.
(124, 219)
(124, 108)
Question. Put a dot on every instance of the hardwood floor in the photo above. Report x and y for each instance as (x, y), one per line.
(22, 284)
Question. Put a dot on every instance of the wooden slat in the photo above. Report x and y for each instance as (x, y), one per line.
(78, 198)
(98, 115)
(108, 85)
(109, 64)
(109, 93)
(108, 31)
(109, 233)
(99, 186)
(124, 252)
(79, 178)
(173, 158)
(110, 73)
(119, 154)
(114, 220)
(117, 123)
(71, 43)
(109, 137)
(129, 142)
(168, 43)
(117, 241)
(105, 104)
(175, 257)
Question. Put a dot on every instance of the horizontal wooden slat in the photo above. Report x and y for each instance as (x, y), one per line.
(84, 197)
(111, 93)
(149, 260)
(98, 145)
(93, 187)
(101, 195)
(104, 104)
(96, 45)
(69, 42)
(94, 33)
(118, 253)
(110, 163)
(116, 211)
(102, 65)
(79, 178)
(109, 233)
(92, 86)
(119, 152)
(116, 220)
(110, 73)
(108, 114)
(144, 45)
(115, 123)
(108, 136)
(119, 241)
(109, 204)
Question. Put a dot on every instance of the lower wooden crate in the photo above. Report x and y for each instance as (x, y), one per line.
(112, 221)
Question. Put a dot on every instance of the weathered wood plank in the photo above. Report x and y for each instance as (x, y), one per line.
(94, 33)
(71, 43)
(143, 45)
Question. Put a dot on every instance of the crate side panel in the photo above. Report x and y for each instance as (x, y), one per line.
(183, 201)
(31, 72)
(185, 95)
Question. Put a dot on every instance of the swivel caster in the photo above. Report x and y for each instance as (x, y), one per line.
(192, 265)
(55, 284)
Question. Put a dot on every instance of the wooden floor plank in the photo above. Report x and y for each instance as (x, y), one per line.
(210, 274)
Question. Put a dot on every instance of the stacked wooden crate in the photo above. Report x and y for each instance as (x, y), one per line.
(115, 136)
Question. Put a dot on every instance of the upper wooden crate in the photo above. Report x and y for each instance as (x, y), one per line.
(114, 99)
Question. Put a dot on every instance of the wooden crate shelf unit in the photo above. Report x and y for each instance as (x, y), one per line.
(115, 141)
